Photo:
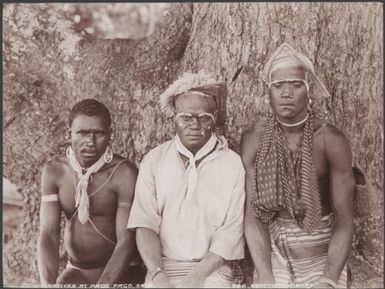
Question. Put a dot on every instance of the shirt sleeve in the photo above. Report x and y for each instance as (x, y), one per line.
(144, 211)
(228, 241)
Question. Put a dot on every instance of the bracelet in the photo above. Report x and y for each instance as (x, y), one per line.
(328, 281)
(155, 272)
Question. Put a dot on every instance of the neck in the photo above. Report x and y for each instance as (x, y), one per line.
(199, 150)
(82, 166)
(85, 165)
(292, 127)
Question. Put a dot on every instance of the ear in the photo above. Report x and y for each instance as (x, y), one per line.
(268, 89)
(68, 132)
(109, 132)
(266, 98)
(215, 114)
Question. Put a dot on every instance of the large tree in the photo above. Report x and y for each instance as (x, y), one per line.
(47, 67)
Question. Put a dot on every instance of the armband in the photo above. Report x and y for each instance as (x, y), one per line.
(50, 198)
(124, 205)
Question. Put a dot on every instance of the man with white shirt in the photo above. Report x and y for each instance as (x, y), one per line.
(188, 208)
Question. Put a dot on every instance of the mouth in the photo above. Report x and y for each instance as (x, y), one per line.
(287, 104)
(195, 135)
(89, 154)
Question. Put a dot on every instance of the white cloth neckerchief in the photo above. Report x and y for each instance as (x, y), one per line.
(82, 201)
(191, 171)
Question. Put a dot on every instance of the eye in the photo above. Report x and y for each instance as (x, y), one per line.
(186, 118)
(100, 134)
(204, 118)
(297, 84)
(277, 84)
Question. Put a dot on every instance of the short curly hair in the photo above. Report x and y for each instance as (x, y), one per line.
(90, 107)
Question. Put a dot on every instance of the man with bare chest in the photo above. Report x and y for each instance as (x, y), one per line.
(299, 184)
(94, 188)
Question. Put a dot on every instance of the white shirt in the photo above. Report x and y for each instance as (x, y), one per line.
(213, 221)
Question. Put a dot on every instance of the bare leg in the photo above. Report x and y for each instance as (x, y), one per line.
(134, 275)
(71, 276)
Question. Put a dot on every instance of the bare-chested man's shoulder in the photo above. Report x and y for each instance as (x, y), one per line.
(337, 147)
(254, 132)
(123, 164)
(56, 164)
(57, 169)
(331, 137)
(53, 174)
(125, 171)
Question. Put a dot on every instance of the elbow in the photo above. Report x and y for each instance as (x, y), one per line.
(344, 222)
(127, 241)
(249, 224)
(248, 228)
(46, 238)
(47, 244)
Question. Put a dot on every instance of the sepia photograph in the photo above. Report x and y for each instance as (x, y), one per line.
(193, 145)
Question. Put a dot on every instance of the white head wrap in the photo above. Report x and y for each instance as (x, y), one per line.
(286, 56)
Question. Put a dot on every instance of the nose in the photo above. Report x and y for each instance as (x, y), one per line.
(286, 90)
(195, 123)
(90, 141)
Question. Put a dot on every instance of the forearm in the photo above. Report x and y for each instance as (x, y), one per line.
(119, 261)
(257, 235)
(258, 242)
(207, 265)
(149, 248)
(48, 259)
(339, 248)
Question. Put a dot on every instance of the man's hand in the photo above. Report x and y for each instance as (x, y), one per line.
(161, 281)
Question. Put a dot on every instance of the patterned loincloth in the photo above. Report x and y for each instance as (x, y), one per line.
(299, 258)
(176, 270)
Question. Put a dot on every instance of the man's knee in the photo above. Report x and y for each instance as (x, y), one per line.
(71, 276)
(221, 277)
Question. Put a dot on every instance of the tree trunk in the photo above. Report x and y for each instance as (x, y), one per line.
(48, 67)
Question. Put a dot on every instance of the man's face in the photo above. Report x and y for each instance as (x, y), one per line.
(288, 94)
(194, 132)
(89, 138)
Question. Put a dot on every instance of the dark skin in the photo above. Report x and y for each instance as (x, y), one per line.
(332, 163)
(89, 138)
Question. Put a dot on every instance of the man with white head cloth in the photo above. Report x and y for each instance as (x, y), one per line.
(299, 183)
(188, 208)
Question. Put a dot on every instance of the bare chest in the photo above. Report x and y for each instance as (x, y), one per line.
(102, 196)
(294, 143)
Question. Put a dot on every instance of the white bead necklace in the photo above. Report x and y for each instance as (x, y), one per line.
(292, 124)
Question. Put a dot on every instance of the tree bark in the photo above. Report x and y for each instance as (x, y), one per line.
(48, 67)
